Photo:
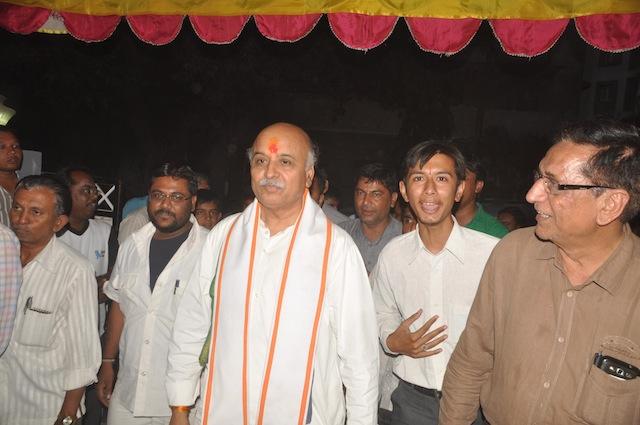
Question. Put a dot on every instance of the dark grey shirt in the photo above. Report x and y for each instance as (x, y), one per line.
(160, 253)
(370, 250)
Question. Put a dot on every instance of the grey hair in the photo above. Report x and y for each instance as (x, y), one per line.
(312, 157)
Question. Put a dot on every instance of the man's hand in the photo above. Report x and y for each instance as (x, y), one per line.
(416, 344)
(104, 387)
(179, 418)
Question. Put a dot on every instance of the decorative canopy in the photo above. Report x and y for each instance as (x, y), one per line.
(523, 28)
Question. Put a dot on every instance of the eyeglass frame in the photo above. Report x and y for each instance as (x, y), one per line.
(537, 175)
(157, 196)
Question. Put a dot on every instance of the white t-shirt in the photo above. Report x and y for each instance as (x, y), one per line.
(93, 244)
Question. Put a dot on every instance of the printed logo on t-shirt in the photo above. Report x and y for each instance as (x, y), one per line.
(99, 254)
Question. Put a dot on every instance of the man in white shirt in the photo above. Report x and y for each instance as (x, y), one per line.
(90, 238)
(10, 162)
(277, 356)
(149, 277)
(54, 351)
(425, 281)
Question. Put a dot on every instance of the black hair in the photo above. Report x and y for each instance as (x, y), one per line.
(206, 195)
(381, 173)
(421, 153)
(616, 164)
(53, 183)
(475, 166)
(169, 169)
(321, 177)
(66, 173)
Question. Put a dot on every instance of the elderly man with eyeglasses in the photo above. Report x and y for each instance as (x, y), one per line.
(146, 286)
(553, 336)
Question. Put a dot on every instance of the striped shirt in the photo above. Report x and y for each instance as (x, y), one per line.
(54, 347)
(10, 278)
(5, 206)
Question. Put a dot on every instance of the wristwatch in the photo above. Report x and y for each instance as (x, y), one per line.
(68, 420)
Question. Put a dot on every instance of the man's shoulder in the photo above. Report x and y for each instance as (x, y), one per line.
(100, 226)
(478, 239)
(486, 223)
(521, 243)
(64, 256)
(350, 225)
(402, 245)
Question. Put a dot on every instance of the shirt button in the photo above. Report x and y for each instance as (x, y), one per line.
(144, 374)
(146, 341)
(570, 294)
(546, 385)
(561, 340)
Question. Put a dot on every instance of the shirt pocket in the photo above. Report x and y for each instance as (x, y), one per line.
(606, 400)
(37, 326)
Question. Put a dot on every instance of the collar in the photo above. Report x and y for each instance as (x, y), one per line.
(47, 258)
(142, 237)
(610, 274)
(455, 243)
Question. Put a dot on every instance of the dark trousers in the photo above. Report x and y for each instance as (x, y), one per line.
(415, 406)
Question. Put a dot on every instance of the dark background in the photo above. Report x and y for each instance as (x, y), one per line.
(122, 106)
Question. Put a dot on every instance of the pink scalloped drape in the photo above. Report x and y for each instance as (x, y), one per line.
(527, 38)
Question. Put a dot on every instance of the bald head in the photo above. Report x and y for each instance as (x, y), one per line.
(280, 130)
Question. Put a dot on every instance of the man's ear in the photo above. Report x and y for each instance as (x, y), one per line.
(311, 171)
(479, 186)
(403, 191)
(459, 191)
(394, 199)
(194, 200)
(60, 222)
(611, 205)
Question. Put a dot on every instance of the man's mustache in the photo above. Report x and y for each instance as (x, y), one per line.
(271, 182)
(158, 212)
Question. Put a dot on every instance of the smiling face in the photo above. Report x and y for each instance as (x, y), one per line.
(431, 190)
(564, 217)
(10, 152)
(279, 167)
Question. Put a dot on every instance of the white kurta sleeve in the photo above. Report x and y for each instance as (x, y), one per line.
(192, 325)
(357, 343)
(387, 314)
(82, 342)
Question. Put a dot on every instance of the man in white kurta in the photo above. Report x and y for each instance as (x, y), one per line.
(341, 350)
(54, 350)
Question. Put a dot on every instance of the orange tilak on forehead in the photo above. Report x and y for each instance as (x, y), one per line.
(273, 145)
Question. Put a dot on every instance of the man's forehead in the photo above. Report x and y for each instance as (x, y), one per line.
(169, 182)
(566, 157)
(280, 142)
(367, 184)
(35, 195)
(6, 137)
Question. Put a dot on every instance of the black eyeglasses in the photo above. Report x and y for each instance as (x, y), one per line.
(553, 187)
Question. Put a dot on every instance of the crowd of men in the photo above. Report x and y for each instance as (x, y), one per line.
(412, 311)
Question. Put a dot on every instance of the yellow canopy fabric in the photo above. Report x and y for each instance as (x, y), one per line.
(482, 9)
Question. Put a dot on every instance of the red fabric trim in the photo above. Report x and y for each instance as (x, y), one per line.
(286, 28)
(90, 28)
(362, 32)
(21, 19)
(155, 29)
(612, 33)
(442, 36)
(218, 29)
(527, 38)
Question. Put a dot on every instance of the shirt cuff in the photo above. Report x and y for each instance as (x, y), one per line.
(183, 393)
(78, 378)
(110, 291)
